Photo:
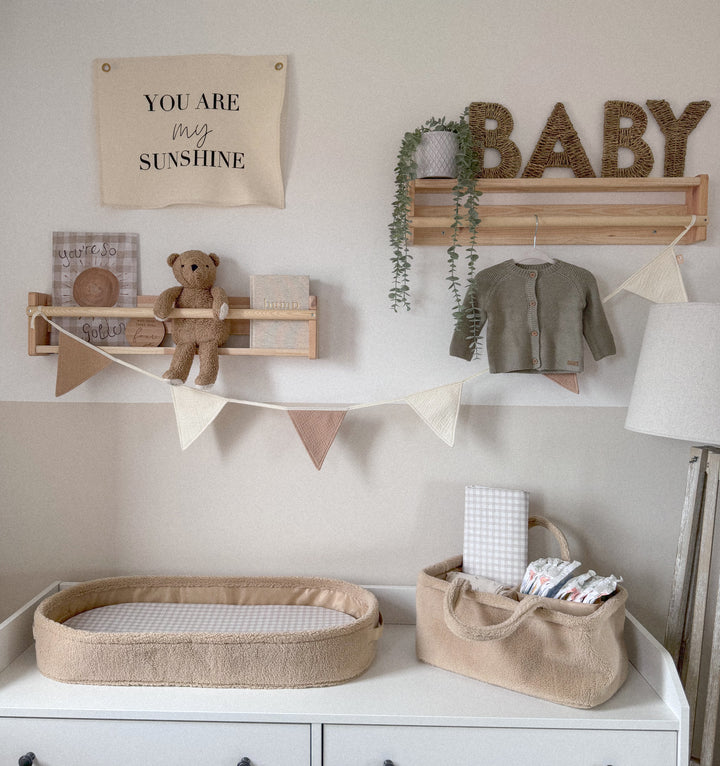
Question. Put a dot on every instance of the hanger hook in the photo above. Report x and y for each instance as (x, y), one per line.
(537, 223)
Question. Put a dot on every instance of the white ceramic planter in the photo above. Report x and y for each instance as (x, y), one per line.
(435, 156)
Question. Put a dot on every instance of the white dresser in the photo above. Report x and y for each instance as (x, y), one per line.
(400, 711)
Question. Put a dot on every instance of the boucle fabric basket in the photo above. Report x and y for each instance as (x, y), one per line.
(295, 659)
(570, 653)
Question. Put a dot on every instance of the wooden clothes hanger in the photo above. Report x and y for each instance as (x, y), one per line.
(535, 255)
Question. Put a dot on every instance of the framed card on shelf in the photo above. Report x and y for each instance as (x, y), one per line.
(94, 269)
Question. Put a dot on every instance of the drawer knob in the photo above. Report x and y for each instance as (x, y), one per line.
(26, 760)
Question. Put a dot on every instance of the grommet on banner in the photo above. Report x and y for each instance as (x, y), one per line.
(279, 65)
(106, 67)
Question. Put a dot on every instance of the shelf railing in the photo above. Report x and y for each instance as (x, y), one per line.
(240, 315)
(646, 220)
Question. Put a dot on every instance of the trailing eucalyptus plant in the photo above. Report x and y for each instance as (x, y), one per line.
(465, 198)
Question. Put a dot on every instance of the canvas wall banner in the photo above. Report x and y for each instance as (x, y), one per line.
(190, 130)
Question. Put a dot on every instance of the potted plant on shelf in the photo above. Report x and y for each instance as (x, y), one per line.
(410, 165)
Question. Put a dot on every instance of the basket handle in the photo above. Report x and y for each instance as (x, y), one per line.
(484, 632)
(541, 521)
(524, 608)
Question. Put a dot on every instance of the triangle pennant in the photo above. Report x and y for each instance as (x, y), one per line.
(194, 411)
(660, 281)
(76, 363)
(567, 380)
(438, 408)
(317, 429)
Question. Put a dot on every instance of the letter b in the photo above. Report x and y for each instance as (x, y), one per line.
(497, 138)
(614, 137)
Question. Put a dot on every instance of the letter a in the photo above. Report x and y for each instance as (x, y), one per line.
(614, 137)
(498, 138)
(676, 132)
(560, 129)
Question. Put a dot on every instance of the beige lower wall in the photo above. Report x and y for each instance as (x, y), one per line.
(92, 490)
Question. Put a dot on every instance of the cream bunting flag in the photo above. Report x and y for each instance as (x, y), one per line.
(317, 429)
(77, 363)
(194, 411)
(438, 408)
(660, 281)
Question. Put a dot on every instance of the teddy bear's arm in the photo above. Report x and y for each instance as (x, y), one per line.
(220, 302)
(165, 302)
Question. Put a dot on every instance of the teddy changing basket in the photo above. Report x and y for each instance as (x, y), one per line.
(253, 632)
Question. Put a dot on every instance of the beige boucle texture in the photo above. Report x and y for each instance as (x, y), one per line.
(572, 654)
(297, 659)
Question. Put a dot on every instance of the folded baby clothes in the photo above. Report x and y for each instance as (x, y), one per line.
(479, 583)
(496, 533)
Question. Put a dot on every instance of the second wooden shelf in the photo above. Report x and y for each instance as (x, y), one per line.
(601, 221)
(240, 317)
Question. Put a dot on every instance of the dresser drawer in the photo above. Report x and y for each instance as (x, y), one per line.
(458, 746)
(91, 742)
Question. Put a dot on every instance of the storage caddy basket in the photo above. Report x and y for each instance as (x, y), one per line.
(561, 651)
(314, 656)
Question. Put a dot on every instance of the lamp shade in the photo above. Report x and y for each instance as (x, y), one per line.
(677, 384)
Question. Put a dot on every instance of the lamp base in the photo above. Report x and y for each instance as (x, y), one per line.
(685, 629)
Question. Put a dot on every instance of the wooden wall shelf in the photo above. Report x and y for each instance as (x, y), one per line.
(601, 220)
(240, 317)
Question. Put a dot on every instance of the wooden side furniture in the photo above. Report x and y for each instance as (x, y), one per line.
(400, 711)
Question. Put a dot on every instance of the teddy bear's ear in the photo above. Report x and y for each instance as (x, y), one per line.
(172, 258)
(214, 258)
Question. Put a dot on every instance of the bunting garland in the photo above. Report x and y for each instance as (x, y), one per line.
(196, 409)
(659, 281)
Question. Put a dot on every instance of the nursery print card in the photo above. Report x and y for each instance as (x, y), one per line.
(94, 269)
(190, 130)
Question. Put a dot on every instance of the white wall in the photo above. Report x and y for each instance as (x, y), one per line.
(359, 76)
(96, 484)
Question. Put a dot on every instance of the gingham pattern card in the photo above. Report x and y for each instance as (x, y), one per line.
(94, 269)
(495, 541)
(151, 617)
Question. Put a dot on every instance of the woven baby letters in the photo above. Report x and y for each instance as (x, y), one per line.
(676, 131)
(615, 137)
(497, 138)
(559, 128)
(569, 653)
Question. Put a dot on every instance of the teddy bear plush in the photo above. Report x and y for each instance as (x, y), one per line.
(195, 271)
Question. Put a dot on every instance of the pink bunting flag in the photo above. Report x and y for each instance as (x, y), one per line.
(76, 364)
(317, 429)
(567, 380)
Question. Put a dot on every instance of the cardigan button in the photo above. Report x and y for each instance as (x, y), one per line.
(534, 333)
(534, 361)
(533, 303)
(533, 274)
